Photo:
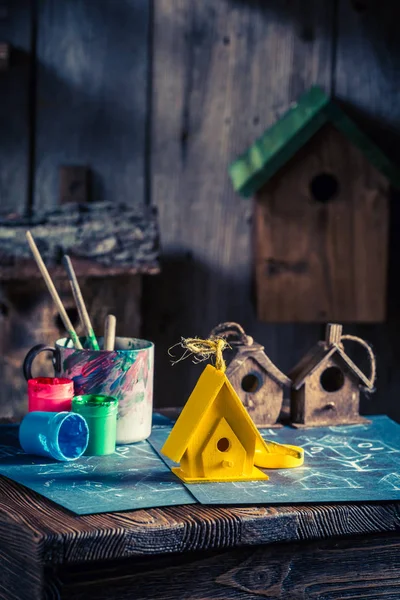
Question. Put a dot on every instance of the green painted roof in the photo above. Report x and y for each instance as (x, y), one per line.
(281, 141)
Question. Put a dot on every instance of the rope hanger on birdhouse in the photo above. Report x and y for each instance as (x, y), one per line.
(335, 338)
(232, 332)
(371, 357)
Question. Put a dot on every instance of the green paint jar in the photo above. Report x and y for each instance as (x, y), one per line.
(100, 412)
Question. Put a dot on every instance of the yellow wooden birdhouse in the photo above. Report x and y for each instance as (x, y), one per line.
(214, 439)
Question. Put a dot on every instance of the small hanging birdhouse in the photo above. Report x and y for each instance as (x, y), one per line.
(260, 385)
(321, 216)
(326, 383)
(214, 438)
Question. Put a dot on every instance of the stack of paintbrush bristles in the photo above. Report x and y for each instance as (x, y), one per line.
(91, 340)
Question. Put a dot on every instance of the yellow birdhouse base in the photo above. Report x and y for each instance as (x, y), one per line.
(285, 457)
(255, 475)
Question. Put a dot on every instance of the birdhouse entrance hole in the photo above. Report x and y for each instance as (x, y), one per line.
(223, 444)
(324, 187)
(251, 383)
(332, 379)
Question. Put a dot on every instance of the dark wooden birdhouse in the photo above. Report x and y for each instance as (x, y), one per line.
(258, 382)
(321, 216)
(326, 383)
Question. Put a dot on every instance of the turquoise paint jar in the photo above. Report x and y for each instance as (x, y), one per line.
(63, 436)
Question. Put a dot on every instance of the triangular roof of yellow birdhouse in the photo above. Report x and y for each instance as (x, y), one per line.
(279, 143)
(256, 352)
(316, 357)
(206, 391)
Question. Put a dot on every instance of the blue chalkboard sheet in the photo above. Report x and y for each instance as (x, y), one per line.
(132, 478)
(353, 463)
(356, 463)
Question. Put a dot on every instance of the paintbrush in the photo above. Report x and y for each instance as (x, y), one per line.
(109, 332)
(80, 303)
(53, 292)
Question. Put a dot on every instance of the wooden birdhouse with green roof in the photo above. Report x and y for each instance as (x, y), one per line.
(321, 191)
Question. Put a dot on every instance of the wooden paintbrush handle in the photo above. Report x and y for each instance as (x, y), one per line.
(53, 292)
(109, 332)
(80, 303)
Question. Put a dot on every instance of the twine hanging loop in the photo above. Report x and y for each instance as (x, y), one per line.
(371, 357)
(232, 332)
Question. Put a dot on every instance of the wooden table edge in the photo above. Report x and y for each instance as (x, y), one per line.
(62, 537)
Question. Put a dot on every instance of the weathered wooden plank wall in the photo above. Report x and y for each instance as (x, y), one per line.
(92, 75)
(15, 90)
(365, 74)
(83, 102)
(91, 111)
(157, 98)
(16, 27)
(222, 72)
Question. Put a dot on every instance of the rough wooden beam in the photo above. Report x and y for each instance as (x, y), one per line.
(102, 238)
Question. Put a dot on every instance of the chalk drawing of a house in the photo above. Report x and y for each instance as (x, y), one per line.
(359, 445)
(347, 447)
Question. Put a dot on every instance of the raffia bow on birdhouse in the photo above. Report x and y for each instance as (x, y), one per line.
(201, 350)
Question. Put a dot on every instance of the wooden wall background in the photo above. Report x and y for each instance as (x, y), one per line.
(157, 98)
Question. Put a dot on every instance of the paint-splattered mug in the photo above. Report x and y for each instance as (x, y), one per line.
(125, 373)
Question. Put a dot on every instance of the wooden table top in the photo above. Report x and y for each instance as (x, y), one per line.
(59, 536)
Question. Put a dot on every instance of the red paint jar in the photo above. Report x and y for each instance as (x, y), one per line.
(50, 394)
